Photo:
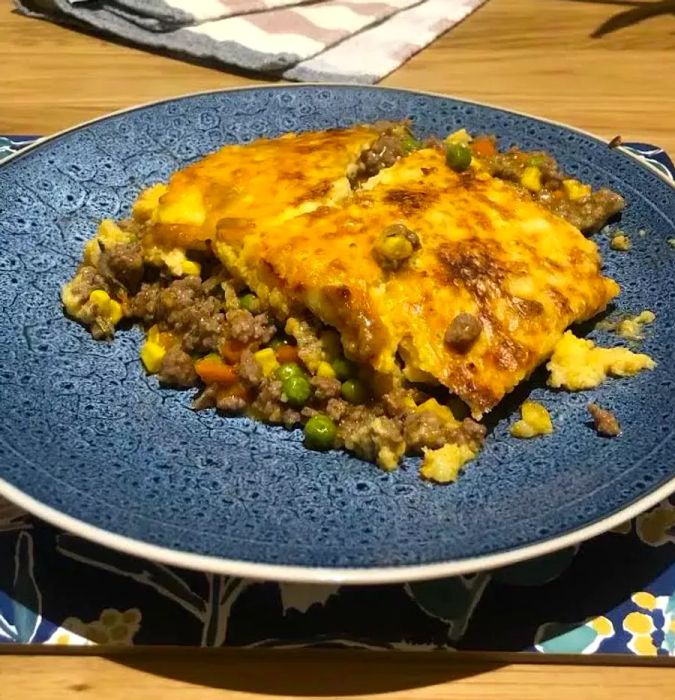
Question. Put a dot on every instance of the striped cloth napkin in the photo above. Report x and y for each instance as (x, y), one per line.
(355, 41)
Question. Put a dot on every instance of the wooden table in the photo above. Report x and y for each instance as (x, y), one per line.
(530, 55)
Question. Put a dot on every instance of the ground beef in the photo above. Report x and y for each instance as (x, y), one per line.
(205, 327)
(605, 421)
(188, 312)
(230, 403)
(325, 388)
(463, 331)
(588, 214)
(336, 409)
(382, 153)
(144, 305)
(511, 164)
(86, 281)
(371, 435)
(177, 368)
(247, 328)
(427, 429)
(473, 431)
(290, 417)
(207, 398)
(123, 264)
(249, 369)
(268, 402)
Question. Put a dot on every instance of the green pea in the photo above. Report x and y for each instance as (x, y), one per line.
(277, 342)
(320, 432)
(458, 156)
(536, 161)
(343, 368)
(354, 391)
(297, 390)
(288, 370)
(249, 302)
(409, 144)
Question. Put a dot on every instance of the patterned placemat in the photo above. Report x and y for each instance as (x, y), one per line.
(615, 593)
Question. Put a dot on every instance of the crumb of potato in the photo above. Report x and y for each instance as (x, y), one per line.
(443, 465)
(671, 242)
(605, 421)
(578, 364)
(642, 233)
(626, 326)
(632, 327)
(620, 242)
(536, 420)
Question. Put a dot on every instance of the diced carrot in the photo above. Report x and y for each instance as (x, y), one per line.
(237, 389)
(212, 370)
(231, 350)
(287, 353)
(483, 146)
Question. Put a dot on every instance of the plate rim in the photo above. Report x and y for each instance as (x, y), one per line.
(335, 575)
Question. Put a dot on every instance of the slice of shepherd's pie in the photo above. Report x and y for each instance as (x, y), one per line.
(340, 279)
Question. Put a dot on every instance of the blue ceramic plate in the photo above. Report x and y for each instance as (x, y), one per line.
(90, 443)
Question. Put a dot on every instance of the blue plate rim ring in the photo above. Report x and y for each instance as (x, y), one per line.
(323, 575)
(307, 574)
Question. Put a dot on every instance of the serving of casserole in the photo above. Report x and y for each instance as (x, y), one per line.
(381, 292)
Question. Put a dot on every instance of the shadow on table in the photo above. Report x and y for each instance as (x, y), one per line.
(638, 11)
(305, 673)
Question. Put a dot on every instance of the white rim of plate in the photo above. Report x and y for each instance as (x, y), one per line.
(323, 575)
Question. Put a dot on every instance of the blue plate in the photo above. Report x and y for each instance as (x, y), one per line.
(90, 443)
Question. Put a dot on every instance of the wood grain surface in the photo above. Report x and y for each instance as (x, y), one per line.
(531, 55)
(603, 65)
(251, 675)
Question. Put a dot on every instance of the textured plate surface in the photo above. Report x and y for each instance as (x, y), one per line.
(84, 433)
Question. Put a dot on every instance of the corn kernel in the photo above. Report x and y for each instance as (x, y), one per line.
(190, 267)
(325, 370)
(267, 360)
(99, 297)
(575, 189)
(114, 312)
(460, 136)
(152, 355)
(162, 338)
(531, 178)
(153, 334)
(107, 308)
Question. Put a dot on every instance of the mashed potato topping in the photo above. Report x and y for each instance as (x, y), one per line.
(577, 363)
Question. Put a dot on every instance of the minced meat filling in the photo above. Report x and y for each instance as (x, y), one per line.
(393, 143)
(538, 174)
(206, 339)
